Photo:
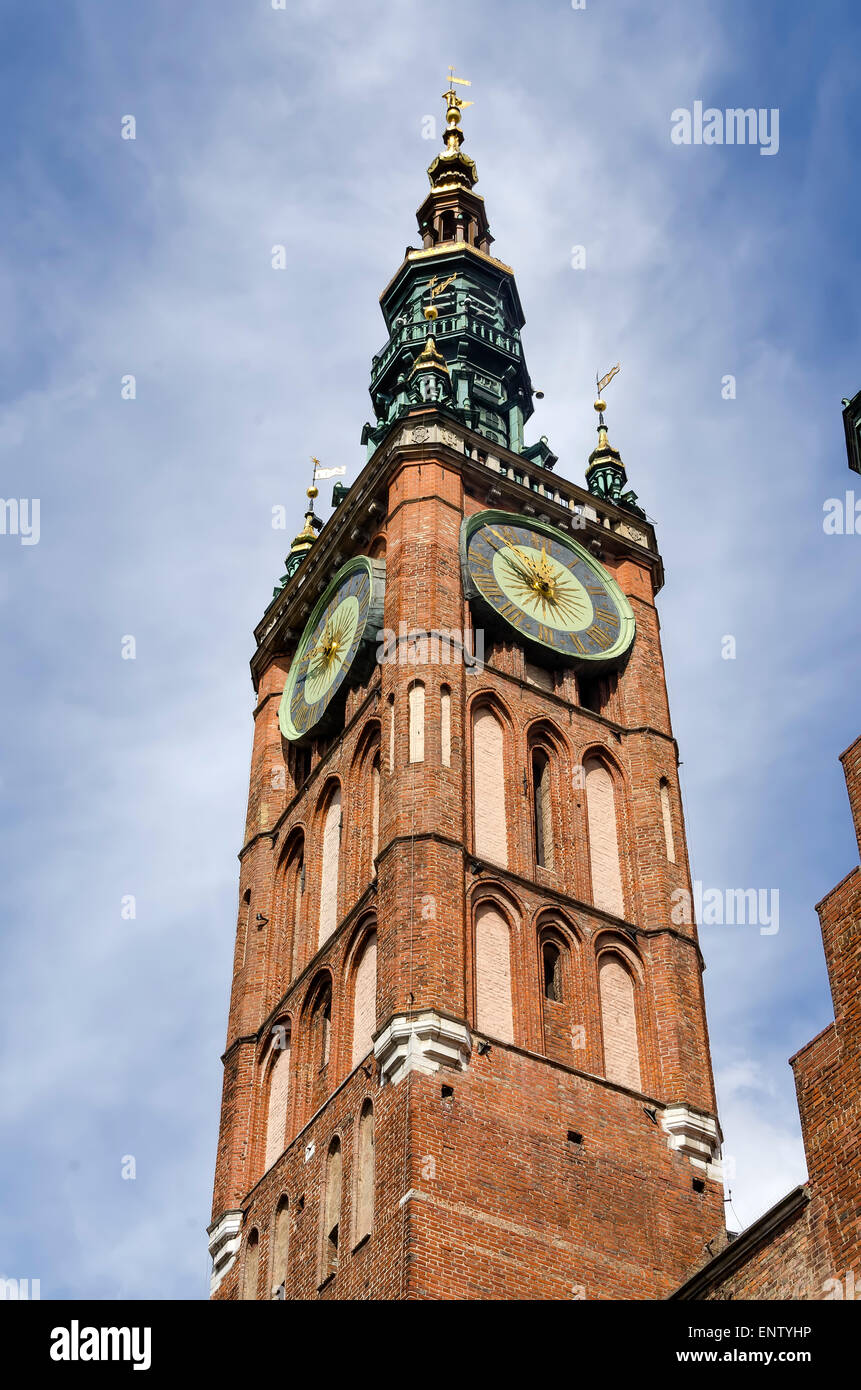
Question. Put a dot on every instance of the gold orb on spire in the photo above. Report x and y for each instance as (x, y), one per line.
(313, 492)
(600, 405)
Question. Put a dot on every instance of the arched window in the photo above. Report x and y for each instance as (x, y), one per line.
(445, 724)
(493, 1009)
(330, 867)
(603, 838)
(251, 1271)
(280, 1243)
(279, 1092)
(321, 1025)
(619, 1022)
(668, 820)
(542, 808)
(375, 809)
(364, 1199)
(365, 1000)
(331, 1210)
(417, 722)
(293, 891)
(551, 969)
(488, 785)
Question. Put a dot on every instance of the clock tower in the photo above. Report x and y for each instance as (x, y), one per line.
(467, 1054)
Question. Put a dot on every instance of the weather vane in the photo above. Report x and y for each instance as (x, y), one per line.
(434, 289)
(454, 103)
(600, 403)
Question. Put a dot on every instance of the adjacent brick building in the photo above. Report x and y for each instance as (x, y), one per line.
(467, 1053)
(809, 1245)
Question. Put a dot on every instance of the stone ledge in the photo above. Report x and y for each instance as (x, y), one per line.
(695, 1135)
(422, 1042)
(224, 1240)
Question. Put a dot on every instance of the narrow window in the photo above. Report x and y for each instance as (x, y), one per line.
(551, 964)
(391, 733)
(301, 765)
(295, 892)
(591, 692)
(445, 724)
(365, 1000)
(323, 1026)
(245, 915)
(603, 839)
(331, 1210)
(329, 872)
(251, 1271)
(280, 1244)
(668, 821)
(365, 1173)
(542, 809)
(375, 810)
(619, 1023)
(493, 975)
(279, 1091)
(488, 785)
(417, 723)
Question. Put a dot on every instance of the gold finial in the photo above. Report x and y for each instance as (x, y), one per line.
(453, 103)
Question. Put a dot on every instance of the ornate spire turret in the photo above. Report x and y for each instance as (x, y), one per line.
(452, 211)
(303, 542)
(605, 473)
(461, 350)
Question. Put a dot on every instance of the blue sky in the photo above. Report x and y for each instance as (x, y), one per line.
(257, 127)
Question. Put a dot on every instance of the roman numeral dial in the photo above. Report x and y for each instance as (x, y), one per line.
(334, 644)
(545, 586)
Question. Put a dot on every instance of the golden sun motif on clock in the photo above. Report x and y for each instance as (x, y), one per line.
(545, 588)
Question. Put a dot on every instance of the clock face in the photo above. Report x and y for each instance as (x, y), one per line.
(334, 643)
(547, 588)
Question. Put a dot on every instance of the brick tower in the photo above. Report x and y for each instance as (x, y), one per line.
(467, 1053)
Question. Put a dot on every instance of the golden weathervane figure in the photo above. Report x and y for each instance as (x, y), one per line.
(454, 104)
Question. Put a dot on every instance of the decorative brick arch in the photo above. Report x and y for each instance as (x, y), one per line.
(315, 1066)
(280, 1243)
(329, 821)
(275, 1090)
(360, 972)
(490, 729)
(620, 984)
(547, 760)
(291, 948)
(365, 776)
(561, 1012)
(606, 832)
(495, 964)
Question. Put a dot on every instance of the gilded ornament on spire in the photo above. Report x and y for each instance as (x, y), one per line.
(605, 474)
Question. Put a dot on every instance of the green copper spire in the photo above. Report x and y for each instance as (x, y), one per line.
(605, 473)
(470, 363)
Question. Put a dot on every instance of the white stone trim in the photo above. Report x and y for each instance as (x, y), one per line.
(421, 1042)
(224, 1241)
(696, 1136)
